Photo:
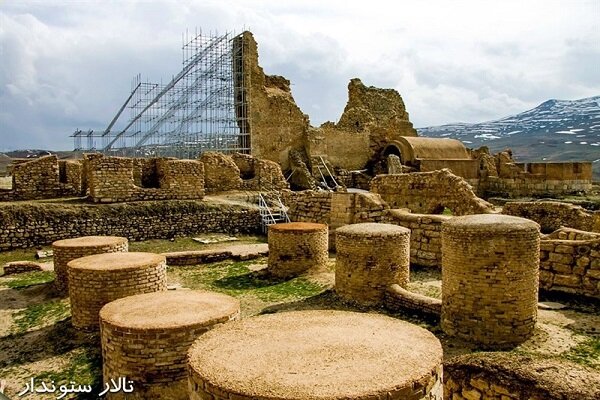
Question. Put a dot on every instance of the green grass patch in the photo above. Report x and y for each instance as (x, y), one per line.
(187, 243)
(21, 255)
(236, 279)
(586, 353)
(28, 279)
(41, 314)
(84, 368)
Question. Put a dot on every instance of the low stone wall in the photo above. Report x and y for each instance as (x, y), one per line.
(507, 376)
(571, 234)
(43, 177)
(398, 298)
(552, 215)
(29, 225)
(533, 185)
(429, 193)
(308, 206)
(425, 235)
(570, 266)
(111, 179)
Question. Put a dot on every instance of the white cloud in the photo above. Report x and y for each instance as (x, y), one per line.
(68, 65)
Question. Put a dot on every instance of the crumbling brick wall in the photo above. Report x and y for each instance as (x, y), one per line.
(259, 174)
(276, 123)
(429, 193)
(220, 172)
(551, 215)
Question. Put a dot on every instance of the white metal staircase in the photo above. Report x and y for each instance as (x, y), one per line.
(271, 215)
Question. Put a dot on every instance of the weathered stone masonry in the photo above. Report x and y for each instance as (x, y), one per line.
(70, 249)
(101, 278)
(28, 225)
(146, 338)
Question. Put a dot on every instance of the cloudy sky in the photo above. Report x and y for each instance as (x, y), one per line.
(69, 64)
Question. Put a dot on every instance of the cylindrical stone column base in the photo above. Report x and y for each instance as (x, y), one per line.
(370, 257)
(101, 278)
(490, 270)
(296, 248)
(70, 249)
(146, 337)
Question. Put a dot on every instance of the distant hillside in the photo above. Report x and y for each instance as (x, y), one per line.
(556, 130)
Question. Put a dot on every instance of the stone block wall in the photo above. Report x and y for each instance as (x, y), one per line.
(111, 179)
(29, 225)
(308, 206)
(43, 178)
(429, 193)
(552, 215)
(220, 172)
(570, 266)
(507, 376)
(425, 236)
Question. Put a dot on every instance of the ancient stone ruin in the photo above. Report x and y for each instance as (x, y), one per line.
(363, 204)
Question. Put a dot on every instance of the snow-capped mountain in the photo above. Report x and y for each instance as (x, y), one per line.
(556, 130)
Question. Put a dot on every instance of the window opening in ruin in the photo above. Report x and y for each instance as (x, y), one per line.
(150, 178)
(201, 108)
(62, 172)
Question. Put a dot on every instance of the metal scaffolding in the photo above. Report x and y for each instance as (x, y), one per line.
(202, 108)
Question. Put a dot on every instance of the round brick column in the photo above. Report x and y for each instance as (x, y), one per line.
(70, 249)
(296, 248)
(369, 258)
(146, 338)
(101, 278)
(490, 269)
(320, 354)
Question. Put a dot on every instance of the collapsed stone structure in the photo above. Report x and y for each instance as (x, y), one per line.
(374, 127)
(429, 193)
(240, 172)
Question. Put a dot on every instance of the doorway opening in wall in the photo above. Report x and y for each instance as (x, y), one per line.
(392, 149)
(62, 172)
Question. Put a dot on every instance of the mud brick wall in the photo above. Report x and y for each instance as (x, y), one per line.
(529, 185)
(551, 215)
(490, 273)
(425, 235)
(370, 258)
(91, 289)
(570, 266)
(506, 376)
(429, 193)
(65, 251)
(29, 225)
(296, 248)
(70, 173)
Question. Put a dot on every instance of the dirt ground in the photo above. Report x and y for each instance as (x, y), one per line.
(37, 339)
